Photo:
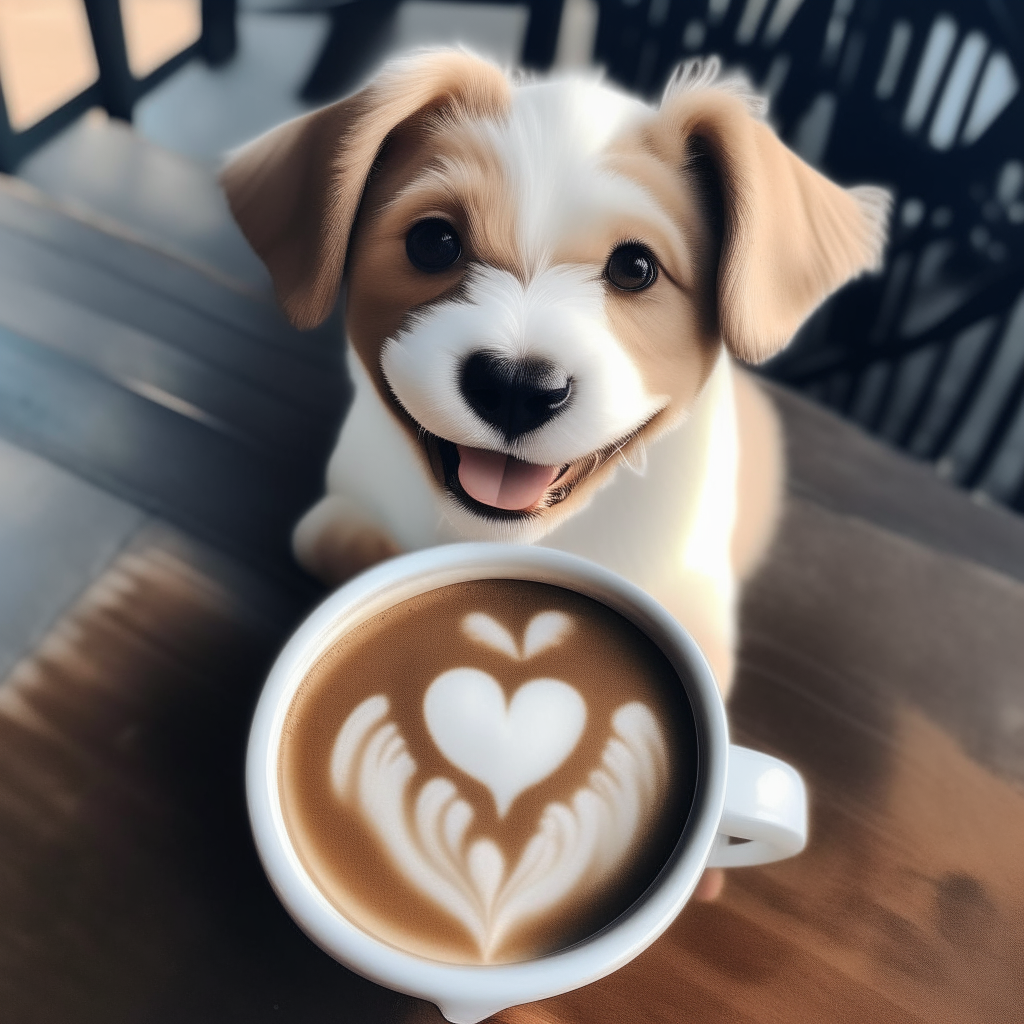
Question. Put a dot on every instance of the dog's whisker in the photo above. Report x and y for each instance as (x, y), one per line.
(635, 455)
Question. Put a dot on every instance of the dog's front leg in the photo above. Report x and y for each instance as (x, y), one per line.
(336, 539)
(701, 610)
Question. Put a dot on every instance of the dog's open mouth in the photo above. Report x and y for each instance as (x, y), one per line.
(502, 481)
(500, 486)
(497, 484)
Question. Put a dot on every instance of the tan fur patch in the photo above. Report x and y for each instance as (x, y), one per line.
(429, 170)
(432, 167)
(296, 190)
(791, 236)
(668, 329)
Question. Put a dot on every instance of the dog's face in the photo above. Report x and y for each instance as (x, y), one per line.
(540, 277)
(531, 293)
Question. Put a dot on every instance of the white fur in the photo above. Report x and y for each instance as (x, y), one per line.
(559, 316)
(552, 148)
(376, 465)
(668, 528)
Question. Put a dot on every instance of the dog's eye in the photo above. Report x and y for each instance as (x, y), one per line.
(432, 245)
(631, 266)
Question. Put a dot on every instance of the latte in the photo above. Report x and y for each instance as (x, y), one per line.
(488, 772)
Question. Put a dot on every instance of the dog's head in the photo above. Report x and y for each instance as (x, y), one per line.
(541, 275)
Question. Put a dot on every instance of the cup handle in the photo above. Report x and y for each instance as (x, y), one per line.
(765, 809)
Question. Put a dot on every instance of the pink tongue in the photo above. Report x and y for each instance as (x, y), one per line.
(502, 481)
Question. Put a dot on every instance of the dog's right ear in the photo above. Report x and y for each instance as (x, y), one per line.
(295, 191)
(789, 236)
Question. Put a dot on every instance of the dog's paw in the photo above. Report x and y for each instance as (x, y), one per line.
(335, 540)
(710, 886)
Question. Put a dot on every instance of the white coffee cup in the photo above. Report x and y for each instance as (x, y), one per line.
(740, 794)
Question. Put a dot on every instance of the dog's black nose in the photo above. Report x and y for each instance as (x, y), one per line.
(515, 395)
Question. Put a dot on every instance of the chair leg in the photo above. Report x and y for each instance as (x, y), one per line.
(542, 34)
(358, 35)
(220, 37)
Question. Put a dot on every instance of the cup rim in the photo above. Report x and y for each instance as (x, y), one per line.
(494, 985)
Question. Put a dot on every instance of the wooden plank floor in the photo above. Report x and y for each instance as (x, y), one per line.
(160, 381)
(888, 672)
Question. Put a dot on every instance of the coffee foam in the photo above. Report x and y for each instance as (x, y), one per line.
(488, 772)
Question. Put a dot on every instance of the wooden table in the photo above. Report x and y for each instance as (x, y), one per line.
(883, 654)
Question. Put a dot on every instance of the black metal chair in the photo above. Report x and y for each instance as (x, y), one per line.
(925, 98)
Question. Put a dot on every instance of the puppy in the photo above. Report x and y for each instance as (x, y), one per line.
(549, 284)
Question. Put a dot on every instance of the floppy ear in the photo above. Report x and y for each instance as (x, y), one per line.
(295, 191)
(789, 236)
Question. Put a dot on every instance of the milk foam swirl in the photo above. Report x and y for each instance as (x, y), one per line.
(577, 845)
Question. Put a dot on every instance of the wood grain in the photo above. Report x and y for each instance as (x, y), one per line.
(888, 672)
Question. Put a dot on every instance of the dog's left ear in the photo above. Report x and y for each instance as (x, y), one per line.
(295, 191)
(789, 237)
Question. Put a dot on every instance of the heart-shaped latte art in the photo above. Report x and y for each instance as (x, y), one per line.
(507, 748)
(578, 843)
(544, 630)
